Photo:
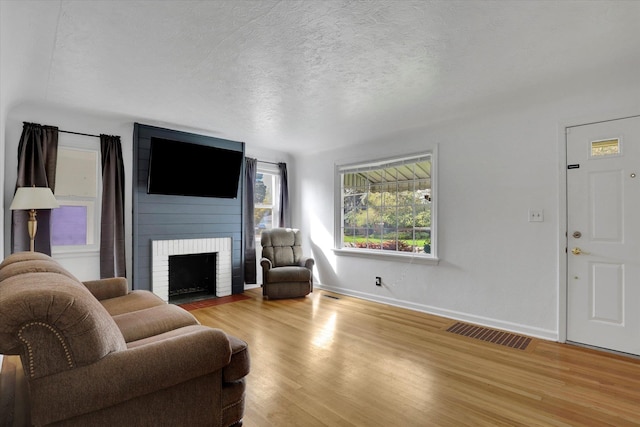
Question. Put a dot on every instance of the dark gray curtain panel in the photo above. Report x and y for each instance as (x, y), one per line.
(249, 233)
(112, 242)
(37, 157)
(285, 213)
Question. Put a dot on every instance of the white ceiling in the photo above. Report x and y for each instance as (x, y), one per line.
(308, 75)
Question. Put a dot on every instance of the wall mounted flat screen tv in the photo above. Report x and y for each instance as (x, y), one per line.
(185, 169)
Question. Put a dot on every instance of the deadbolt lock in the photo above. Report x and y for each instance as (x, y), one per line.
(577, 234)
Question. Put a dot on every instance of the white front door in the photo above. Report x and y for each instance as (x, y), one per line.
(603, 220)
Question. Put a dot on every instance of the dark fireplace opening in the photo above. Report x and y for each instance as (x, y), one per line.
(192, 277)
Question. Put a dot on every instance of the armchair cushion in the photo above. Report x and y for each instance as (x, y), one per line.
(23, 256)
(34, 266)
(133, 301)
(282, 246)
(289, 274)
(139, 324)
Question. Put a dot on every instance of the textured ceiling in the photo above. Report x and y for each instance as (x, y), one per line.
(312, 75)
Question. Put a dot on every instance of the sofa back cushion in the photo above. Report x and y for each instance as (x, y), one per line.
(54, 323)
(34, 266)
(282, 246)
(24, 256)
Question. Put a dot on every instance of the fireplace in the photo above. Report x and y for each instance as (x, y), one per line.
(192, 276)
(210, 248)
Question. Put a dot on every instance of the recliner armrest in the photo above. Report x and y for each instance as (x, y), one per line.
(108, 288)
(266, 263)
(266, 267)
(306, 262)
(162, 362)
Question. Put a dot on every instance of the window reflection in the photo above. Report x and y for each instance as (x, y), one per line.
(324, 337)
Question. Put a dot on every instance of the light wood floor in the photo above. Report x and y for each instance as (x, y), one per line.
(320, 361)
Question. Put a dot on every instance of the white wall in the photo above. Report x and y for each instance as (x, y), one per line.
(496, 268)
(24, 59)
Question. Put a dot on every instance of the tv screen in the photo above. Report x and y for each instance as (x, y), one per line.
(184, 169)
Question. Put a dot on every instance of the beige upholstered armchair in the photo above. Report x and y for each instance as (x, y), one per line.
(285, 272)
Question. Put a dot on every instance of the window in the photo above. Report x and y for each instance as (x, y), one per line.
(74, 226)
(605, 147)
(265, 198)
(387, 207)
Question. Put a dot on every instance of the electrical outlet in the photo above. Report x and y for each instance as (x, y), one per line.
(378, 281)
(536, 215)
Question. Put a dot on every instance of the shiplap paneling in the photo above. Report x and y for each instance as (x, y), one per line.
(165, 217)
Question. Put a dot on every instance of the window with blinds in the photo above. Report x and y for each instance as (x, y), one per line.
(75, 226)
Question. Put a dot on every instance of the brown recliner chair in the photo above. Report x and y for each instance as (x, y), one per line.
(286, 273)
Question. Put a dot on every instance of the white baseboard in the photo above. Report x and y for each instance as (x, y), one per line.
(545, 334)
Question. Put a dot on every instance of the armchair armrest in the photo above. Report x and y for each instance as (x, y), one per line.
(159, 363)
(107, 288)
(266, 263)
(306, 262)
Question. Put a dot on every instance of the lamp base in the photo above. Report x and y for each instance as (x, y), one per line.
(32, 227)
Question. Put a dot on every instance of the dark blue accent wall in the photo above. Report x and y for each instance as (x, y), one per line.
(163, 217)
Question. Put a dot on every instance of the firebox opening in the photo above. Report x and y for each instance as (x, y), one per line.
(192, 277)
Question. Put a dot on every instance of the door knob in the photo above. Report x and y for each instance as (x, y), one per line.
(578, 251)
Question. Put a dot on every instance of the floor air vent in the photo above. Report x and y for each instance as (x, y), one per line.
(490, 335)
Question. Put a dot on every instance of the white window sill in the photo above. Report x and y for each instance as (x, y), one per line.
(75, 251)
(388, 255)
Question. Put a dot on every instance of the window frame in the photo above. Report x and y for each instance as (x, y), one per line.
(274, 171)
(93, 204)
(411, 257)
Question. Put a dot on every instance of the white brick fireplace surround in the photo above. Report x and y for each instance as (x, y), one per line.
(163, 249)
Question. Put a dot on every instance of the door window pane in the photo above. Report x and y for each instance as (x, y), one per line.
(606, 147)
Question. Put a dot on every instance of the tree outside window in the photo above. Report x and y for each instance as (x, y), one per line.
(265, 192)
(388, 206)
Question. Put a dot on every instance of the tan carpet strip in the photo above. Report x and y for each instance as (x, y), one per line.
(490, 335)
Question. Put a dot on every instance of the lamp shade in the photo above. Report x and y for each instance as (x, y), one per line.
(33, 198)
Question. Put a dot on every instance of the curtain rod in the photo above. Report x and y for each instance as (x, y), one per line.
(271, 163)
(78, 133)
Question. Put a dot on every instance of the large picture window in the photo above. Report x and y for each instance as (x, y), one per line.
(388, 206)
